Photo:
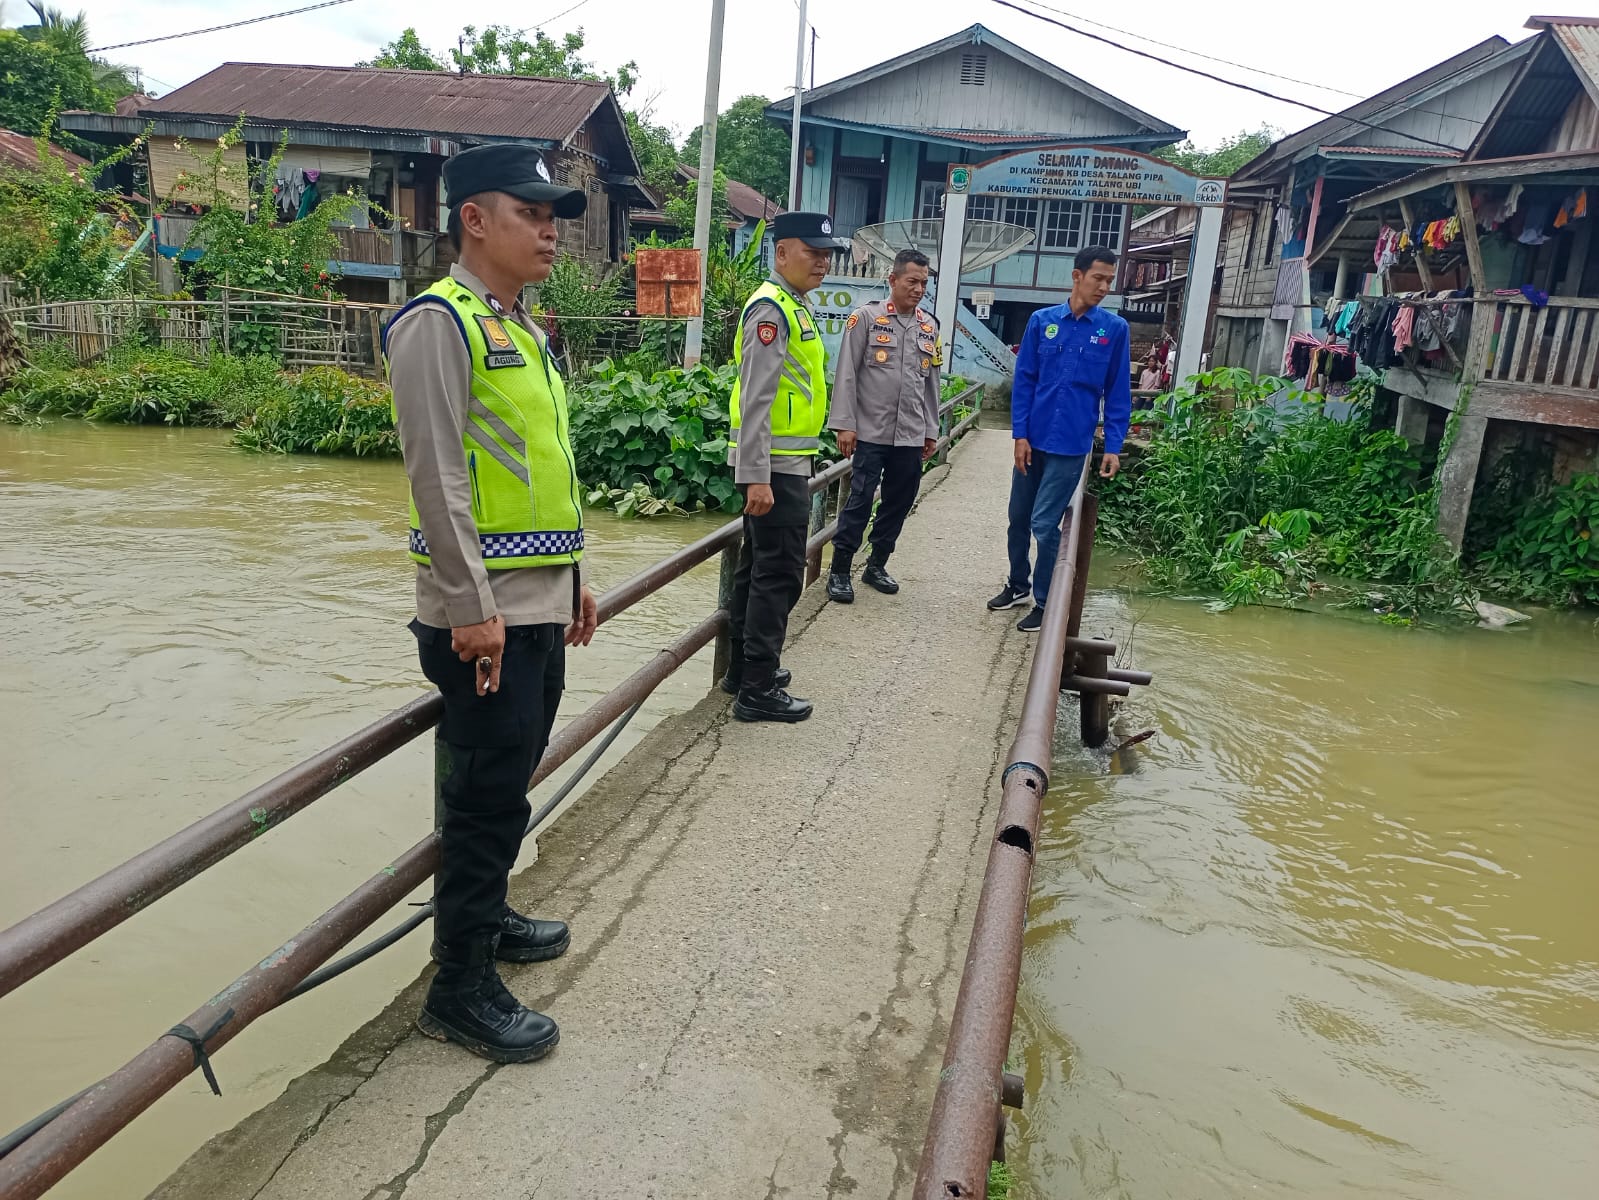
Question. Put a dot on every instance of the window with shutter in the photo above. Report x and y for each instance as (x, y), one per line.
(974, 69)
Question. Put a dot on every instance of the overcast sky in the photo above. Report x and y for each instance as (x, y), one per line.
(1357, 46)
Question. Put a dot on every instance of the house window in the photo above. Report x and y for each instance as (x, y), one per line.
(1063, 225)
(1021, 212)
(983, 208)
(1105, 225)
(930, 199)
(974, 69)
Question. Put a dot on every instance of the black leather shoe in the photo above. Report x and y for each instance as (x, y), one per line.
(523, 940)
(733, 680)
(839, 588)
(772, 705)
(467, 1004)
(876, 577)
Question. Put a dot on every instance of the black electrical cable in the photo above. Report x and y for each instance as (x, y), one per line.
(355, 958)
(1233, 83)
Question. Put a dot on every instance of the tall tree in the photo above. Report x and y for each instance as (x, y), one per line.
(501, 50)
(749, 148)
(407, 53)
(1226, 157)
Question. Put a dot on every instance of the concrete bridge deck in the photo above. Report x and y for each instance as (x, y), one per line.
(768, 928)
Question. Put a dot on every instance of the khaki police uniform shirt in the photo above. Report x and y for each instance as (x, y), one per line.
(886, 390)
(760, 363)
(430, 371)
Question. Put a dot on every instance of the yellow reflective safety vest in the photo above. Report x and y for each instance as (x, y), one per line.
(799, 411)
(526, 500)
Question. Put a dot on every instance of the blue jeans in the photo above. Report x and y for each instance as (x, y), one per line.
(1038, 502)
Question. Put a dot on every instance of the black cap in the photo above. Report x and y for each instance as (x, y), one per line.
(517, 170)
(812, 228)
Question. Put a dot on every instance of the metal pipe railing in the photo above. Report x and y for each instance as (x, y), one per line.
(961, 1133)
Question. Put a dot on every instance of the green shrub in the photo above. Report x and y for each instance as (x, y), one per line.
(137, 386)
(1549, 554)
(323, 411)
(668, 431)
(1258, 502)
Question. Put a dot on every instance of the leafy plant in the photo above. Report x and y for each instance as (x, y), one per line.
(1247, 487)
(1550, 551)
(667, 431)
(575, 301)
(324, 411)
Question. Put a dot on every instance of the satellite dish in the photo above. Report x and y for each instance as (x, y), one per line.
(986, 242)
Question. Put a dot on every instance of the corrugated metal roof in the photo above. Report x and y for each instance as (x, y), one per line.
(487, 106)
(20, 150)
(1407, 151)
(1579, 38)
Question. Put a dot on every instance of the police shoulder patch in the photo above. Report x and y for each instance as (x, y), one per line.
(766, 331)
(854, 320)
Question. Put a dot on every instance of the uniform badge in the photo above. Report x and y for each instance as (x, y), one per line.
(854, 320)
(502, 352)
(881, 356)
(881, 321)
(926, 362)
(925, 345)
(884, 339)
(927, 327)
(1051, 330)
(766, 331)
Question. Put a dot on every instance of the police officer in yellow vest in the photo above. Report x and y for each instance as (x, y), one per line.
(779, 407)
(497, 534)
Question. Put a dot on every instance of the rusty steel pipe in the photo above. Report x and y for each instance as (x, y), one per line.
(656, 576)
(1083, 645)
(1095, 685)
(1011, 1093)
(1126, 675)
(960, 1141)
(45, 1158)
(38, 942)
(960, 1132)
(1035, 732)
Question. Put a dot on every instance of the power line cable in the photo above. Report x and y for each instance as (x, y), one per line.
(1226, 62)
(171, 37)
(551, 20)
(1232, 83)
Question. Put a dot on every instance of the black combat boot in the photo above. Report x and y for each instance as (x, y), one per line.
(467, 1003)
(731, 682)
(770, 703)
(524, 940)
(839, 588)
(875, 576)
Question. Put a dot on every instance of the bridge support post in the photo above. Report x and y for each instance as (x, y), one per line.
(722, 658)
(1093, 707)
(813, 561)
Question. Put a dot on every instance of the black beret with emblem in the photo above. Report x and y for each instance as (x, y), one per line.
(517, 170)
(812, 228)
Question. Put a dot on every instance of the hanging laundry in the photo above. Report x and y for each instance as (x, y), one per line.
(1579, 205)
(1386, 253)
(1537, 297)
(1404, 327)
(1532, 233)
(1451, 230)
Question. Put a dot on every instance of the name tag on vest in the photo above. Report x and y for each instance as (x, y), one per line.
(502, 351)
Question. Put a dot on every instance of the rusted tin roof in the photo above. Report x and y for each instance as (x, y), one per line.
(370, 98)
(744, 200)
(1579, 38)
(20, 150)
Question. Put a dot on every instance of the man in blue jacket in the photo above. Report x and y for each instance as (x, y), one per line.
(1074, 357)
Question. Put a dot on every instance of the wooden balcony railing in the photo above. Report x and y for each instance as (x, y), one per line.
(1555, 347)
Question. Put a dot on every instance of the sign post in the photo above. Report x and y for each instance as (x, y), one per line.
(1102, 174)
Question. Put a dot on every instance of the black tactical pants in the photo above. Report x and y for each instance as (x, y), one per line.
(770, 578)
(492, 743)
(900, 469)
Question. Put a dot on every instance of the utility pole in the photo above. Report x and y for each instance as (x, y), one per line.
(794, 132)
(705, 194)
